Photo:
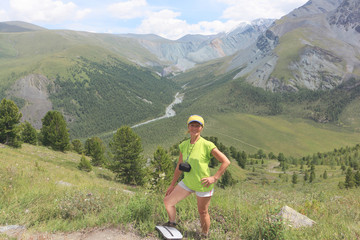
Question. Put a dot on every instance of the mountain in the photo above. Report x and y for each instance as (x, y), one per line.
(190, 50)
(315, 46)
(17, 26)
(91, 78)
(102, 81)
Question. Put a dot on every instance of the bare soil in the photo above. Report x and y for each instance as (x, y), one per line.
(87, 234)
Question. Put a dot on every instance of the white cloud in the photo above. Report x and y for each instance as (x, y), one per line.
(80, 14)
(166, 23)
(3, 16)
(163, 23)
(129, 9)
(46, 10)
(249, 10)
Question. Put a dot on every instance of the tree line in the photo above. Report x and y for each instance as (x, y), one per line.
(122, 156)
(100, 95)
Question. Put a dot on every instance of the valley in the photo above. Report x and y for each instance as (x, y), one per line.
(280, 97)
(169, 112)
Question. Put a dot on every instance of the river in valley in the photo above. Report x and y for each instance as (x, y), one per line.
(169, 112)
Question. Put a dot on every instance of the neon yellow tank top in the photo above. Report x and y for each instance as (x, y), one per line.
(200, 155)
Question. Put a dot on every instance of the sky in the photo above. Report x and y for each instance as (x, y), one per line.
(170, 19)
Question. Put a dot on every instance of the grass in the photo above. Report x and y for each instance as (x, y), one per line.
(288, 51)
(291, 136)
(31, 196)
(351, 115)
(295, 137)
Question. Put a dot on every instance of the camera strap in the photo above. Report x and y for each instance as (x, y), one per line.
(187, 158)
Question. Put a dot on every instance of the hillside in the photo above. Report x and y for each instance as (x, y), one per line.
(44, 192)
(89, 77)
(246, 116)
(103, 81)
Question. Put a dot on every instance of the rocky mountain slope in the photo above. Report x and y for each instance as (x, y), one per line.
(315, 46)
(122, 79)
(190, 50)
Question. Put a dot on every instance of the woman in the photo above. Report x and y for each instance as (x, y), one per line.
(197, 152)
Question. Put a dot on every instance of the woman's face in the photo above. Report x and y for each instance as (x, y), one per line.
(195, 128)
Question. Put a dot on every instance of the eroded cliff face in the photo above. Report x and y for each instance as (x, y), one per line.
(347, 15)
(324, 34)
(34, 90)
(190, 50)
(317, 69)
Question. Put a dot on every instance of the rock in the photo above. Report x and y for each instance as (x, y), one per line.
(64, 183)
(33, 89)
(128, 192)
(13, 230)
(294, 218)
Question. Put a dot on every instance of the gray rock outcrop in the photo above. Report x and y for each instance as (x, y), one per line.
(294, 218)
(33, 89)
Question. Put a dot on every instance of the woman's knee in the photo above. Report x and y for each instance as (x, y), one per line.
(166, 200)
(169, 201)
(203, 212)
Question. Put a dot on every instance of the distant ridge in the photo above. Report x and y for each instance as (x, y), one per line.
(18, 26)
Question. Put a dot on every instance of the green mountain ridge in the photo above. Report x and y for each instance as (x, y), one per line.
(88, 77)
(100, 82)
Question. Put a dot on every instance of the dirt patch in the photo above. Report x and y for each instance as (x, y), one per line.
(87, 234)
(271, 167)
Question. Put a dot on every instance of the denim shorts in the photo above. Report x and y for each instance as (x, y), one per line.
(199, 194)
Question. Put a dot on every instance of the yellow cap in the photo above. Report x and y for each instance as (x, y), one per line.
(196, 118)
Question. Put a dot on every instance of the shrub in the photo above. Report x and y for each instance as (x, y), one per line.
(77, 146)
(85, 164)
(78, 204)
(271, 227)
(138, 210)
(226, 180)
(29, 134)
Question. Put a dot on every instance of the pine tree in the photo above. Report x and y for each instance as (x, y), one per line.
(29, 134)
(349, 179)
(77, 146)
(325, 176)
(9, 120)
(312, 173)
(294, 178)
(128, 164)
(357, 178)
(163, 168)
(226, 180)
(233, 152)
(96, 150)
(241, 158)
(281, 158)
(54, 131)
(85, 164)
(306, 176)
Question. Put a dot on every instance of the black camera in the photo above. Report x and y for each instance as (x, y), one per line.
(185, 167)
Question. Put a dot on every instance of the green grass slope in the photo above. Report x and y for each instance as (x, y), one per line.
(291, 136)
(44, 191)
(250, 118)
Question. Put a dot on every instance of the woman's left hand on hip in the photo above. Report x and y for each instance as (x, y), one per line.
(206, 182)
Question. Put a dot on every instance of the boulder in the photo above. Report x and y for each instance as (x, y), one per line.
(294, 218)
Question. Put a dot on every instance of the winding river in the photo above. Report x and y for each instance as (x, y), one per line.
(169, 112)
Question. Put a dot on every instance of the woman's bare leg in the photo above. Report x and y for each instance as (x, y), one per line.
(203, 208)
(172, 199)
